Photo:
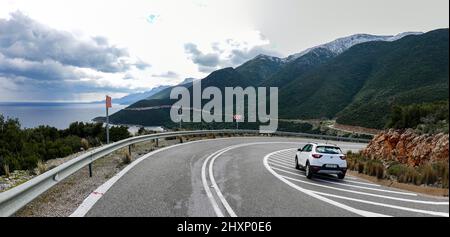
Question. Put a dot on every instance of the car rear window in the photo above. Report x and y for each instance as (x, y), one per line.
(328, 150)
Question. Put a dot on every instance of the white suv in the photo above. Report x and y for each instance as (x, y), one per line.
(321, 158)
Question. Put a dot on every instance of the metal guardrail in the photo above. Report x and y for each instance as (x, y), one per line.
(14, 199)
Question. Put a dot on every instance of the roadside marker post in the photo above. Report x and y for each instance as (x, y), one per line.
(90, 170)
(108, 105)
(237, 117)
(180, 114)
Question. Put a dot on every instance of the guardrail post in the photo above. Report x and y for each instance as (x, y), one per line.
(90, 169)
(157, 142)
(129, 150)
(181, 139)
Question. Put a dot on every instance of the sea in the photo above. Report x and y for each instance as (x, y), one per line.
(59, 115)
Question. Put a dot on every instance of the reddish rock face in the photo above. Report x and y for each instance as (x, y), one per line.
(407, 147)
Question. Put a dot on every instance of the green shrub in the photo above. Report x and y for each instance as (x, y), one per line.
(379, 171)
(361, 168)
(28, 162)
(442, 172)
(126, 158)
(410, 175)
(41, 167)
(429, 174)
(23, 148)
(425, 117)
(374, 168)
(6, 170)
(65, 151)
(84, 143)
(396, 170)
(356, 161)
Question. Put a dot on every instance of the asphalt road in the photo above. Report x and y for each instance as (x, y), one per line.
(246, 177)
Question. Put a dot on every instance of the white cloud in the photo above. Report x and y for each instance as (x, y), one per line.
(229, 52)
(151, 32)
(155, 32)
(47, 63)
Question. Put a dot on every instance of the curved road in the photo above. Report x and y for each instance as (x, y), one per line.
(245, 177)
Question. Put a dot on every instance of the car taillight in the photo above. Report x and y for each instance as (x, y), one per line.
(343, 157)
(317, 156)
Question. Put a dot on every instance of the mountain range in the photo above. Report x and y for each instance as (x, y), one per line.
(135, 97)
(355, 80)
(132, 98)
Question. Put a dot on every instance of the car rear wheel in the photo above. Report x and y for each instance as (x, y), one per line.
(308, 171)
(296, 163)
(341, 176)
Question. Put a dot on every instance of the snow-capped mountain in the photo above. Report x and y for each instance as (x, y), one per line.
(187, 80)
(401, 35)
(340, 45)
(269, 58)
(132, 98)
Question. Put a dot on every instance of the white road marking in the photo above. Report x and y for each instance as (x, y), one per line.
(368, 194)
(368, 188)
(434, 213)
(353, 178)
(349, 185)
(279, 165)
(288, 157)
(269, 161)
(216, 187)
(358, 182)
(287, 152)
(89, 202)
(211, 174)
(208, 192)
(310, 193)
(289, 164)
(282, 161)
(296, 174)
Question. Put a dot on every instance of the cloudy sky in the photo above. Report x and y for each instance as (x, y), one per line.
(80, 50)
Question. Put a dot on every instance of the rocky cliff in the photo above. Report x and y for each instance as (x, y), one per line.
(408, 147)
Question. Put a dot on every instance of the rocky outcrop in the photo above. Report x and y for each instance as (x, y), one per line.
(408, 147)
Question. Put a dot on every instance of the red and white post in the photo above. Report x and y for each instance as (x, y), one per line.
(108, 105)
